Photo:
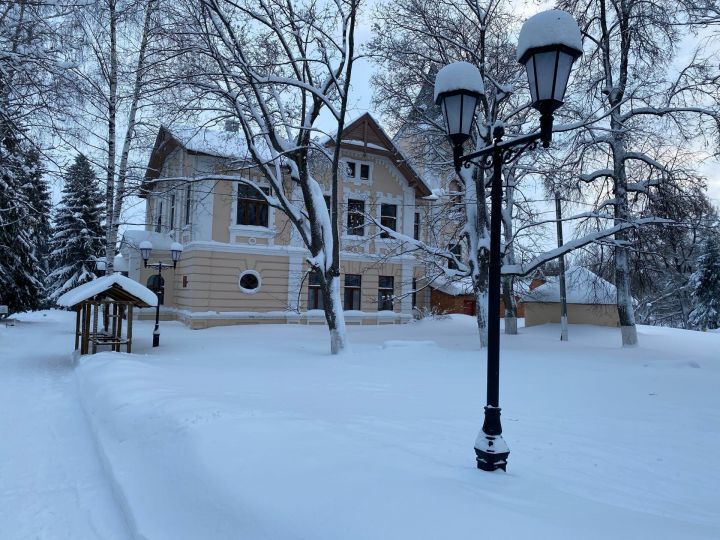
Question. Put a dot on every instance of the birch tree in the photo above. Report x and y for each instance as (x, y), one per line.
(275, 66)
(116, 79)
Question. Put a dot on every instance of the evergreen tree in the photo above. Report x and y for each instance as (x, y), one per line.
(38, 196)
(20, 287)
(78, 237)
(705, 284)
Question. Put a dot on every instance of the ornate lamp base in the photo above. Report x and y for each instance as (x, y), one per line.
(491, 452)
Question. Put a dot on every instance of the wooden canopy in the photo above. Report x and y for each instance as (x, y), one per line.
(115, 296)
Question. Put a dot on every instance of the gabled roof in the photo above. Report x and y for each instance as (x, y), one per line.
(581, 286)
(200, 141)
(115, 286)
(365, 134)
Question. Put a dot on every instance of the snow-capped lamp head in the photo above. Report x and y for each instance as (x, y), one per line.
(175, 250)
(458, 87)
(145, 249)
(548, 45)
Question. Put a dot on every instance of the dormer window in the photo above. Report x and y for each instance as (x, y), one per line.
(252, 208)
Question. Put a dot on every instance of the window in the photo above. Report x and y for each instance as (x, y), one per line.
(249, 282)
(352, 170)
(172, 211)
(388, 218)
(351, 298)
(414, 293)
(416, 229)
(252, 208)
(364, 172)
(386, 291)
(455, 249)
(158, 223)
(188, 201)
(356, 217)
(328, 201)
(315, 296)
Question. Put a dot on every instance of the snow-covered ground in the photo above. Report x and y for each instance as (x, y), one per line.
(52, 484)
(257, 432)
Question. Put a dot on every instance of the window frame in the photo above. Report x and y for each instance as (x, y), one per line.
(383, 301)
(315, 298)
(354, 292)
(258, 204)
(352, 229)
(385, 219)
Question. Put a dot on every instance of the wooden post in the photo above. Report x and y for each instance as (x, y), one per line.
(77, 327)
(113, 308)
(86, 328)
(95, 326)
(118, 308)
(129, 328)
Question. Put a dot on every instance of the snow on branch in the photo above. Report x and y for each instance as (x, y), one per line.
(525, 269)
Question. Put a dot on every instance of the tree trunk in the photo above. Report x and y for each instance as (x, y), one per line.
(334, 314)
(510, 306)
(476, 229)
(120, 190)
(110, 239)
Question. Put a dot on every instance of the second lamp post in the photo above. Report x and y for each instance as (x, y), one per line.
(175, 251)
(549, 43)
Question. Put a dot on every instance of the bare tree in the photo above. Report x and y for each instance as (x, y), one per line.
(627, 74)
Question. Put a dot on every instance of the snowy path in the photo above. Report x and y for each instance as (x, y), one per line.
(52, 484)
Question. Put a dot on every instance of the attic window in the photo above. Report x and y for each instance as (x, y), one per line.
(364, 172)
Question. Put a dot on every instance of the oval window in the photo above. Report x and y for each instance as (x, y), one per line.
(249, 282)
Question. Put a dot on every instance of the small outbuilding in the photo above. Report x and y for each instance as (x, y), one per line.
(112, 298)
(590, 300)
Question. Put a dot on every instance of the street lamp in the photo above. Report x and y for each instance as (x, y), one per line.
(145, 250)
(548, 45)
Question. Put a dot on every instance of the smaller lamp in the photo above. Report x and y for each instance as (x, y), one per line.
(175, 250)
(458, 87)
(145, 249)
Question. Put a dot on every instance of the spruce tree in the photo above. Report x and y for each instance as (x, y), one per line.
(705, 283)
(20, 288)
(39, 204)
(78, 237)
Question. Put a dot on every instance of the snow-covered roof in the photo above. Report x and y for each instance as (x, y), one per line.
(161, 241)
(581, 286)
(106, 283)
(458, 76)
(552, 27)
(227, 144)
(453, 287)
(120, 264)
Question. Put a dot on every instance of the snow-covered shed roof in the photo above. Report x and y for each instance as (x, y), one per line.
(581, 286)
(453, 287)
(159, 241)
(115, 286)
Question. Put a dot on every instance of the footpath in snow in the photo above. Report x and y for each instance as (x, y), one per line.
(256, 432)
(52, 484)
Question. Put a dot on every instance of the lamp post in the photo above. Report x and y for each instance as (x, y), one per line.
(175, 251)
(549, 43)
